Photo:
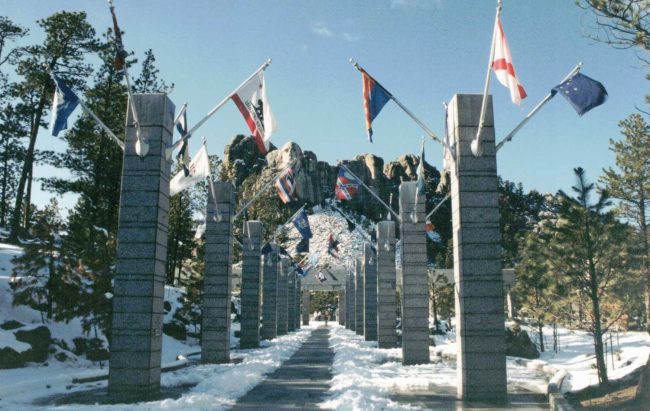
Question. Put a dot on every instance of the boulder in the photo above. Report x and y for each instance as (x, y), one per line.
(519, 344)
(39, 338)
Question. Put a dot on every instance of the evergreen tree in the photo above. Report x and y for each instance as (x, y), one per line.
(590, 250)
(68, 37)
(149, 80)
(630, 184)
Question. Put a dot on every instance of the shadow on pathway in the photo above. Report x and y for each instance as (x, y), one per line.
(300, 383)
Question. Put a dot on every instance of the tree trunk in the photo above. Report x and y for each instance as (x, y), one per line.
(28, 199)
(540, 331)
(27, 165)
(646, 256)
(5, 171)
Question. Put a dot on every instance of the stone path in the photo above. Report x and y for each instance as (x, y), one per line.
(300, 383)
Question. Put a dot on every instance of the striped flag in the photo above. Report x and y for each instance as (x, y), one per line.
(502, 65)
(375, 98)
(254, 106)
(285, 185)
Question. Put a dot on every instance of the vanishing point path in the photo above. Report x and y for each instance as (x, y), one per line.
(300, 383)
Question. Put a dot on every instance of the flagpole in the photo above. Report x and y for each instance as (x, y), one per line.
(141, 146)
(432, 212)
(260, 192)
(477, 150)
(549, 96)
(370, 191)
(170, 149)
(101, 124)
(356, 226)
(406, 110)
(180, 114)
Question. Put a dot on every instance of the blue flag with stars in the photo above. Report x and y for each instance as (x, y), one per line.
(301, 222)
(582, 92)
(65, 101)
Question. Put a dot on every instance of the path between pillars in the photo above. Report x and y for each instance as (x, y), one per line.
(300, 383)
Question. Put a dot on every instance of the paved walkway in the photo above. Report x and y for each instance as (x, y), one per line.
(300, 383)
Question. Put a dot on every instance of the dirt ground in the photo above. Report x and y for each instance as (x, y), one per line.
(619, 396)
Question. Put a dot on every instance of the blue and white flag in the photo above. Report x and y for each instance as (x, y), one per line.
(301, 222)
(421, 186)
(65, 101)
(582, 92)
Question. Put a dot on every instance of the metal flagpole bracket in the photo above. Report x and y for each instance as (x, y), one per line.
(534, 111)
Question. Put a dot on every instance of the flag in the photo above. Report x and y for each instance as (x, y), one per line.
(65, 101)
(502, 65)
(303, 246)
(285, 186)
(375, 98)
(254, 106)
(266, 249)
(301, 222)
(346, 185)
(120, 54)
(199, 170)
(582, 92)
(321, 277)
(200, 230)
(183, 155)
(432, 233)
(421, 186)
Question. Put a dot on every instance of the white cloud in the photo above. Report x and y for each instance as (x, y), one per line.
(321, 30)
(351, 37)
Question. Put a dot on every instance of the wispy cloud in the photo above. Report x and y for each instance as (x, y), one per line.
(321, 30)
(351, 37)
(419, 4)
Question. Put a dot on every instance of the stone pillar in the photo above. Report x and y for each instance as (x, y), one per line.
(298, 300)
(250, 285)
(480, 338)
(215, 327)
(135, 352)
(349, 304)
(270, 294)
(283, 294)
(415, 279)
(386, 284)
(291, 299)
(370, 293)
(305, 307)
(359, 299)
(342, 297)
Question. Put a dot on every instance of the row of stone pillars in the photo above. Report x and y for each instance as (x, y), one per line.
(370, 297)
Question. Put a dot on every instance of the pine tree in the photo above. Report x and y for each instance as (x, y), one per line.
(590, 249)
(149, 80)
(630, 184)
(68, 37)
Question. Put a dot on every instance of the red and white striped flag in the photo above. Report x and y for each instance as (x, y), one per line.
(286, 186)
(252, 103)
(502, 65)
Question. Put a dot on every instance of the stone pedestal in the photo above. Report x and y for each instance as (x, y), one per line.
(291, 300)
(359, 298)
(477, 256)
(342, 308)
(135, 352)
(350, 292)
(298, 300)
(370, 293)
(415, 280)
(305, 307)
(386, 286)
(215, 326)
(250, 285)
(283, 297)
(270, 294)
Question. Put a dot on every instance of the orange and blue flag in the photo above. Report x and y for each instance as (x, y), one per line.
(374, 99)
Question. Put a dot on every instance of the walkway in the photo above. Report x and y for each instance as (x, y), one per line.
(300, 383)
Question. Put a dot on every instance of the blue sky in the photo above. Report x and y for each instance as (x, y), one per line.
(422, 51)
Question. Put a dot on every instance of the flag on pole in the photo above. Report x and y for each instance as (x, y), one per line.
(582, 92)
(183, 155)
(303, 246)
(321, 277)
(301, 222)
(346, 185)
(251, 101)
(432, 233)
(421, 185)
(65, 101)
(374, 99)
(285, 185)
(120, 54)
(199, 170)
(502, 65)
